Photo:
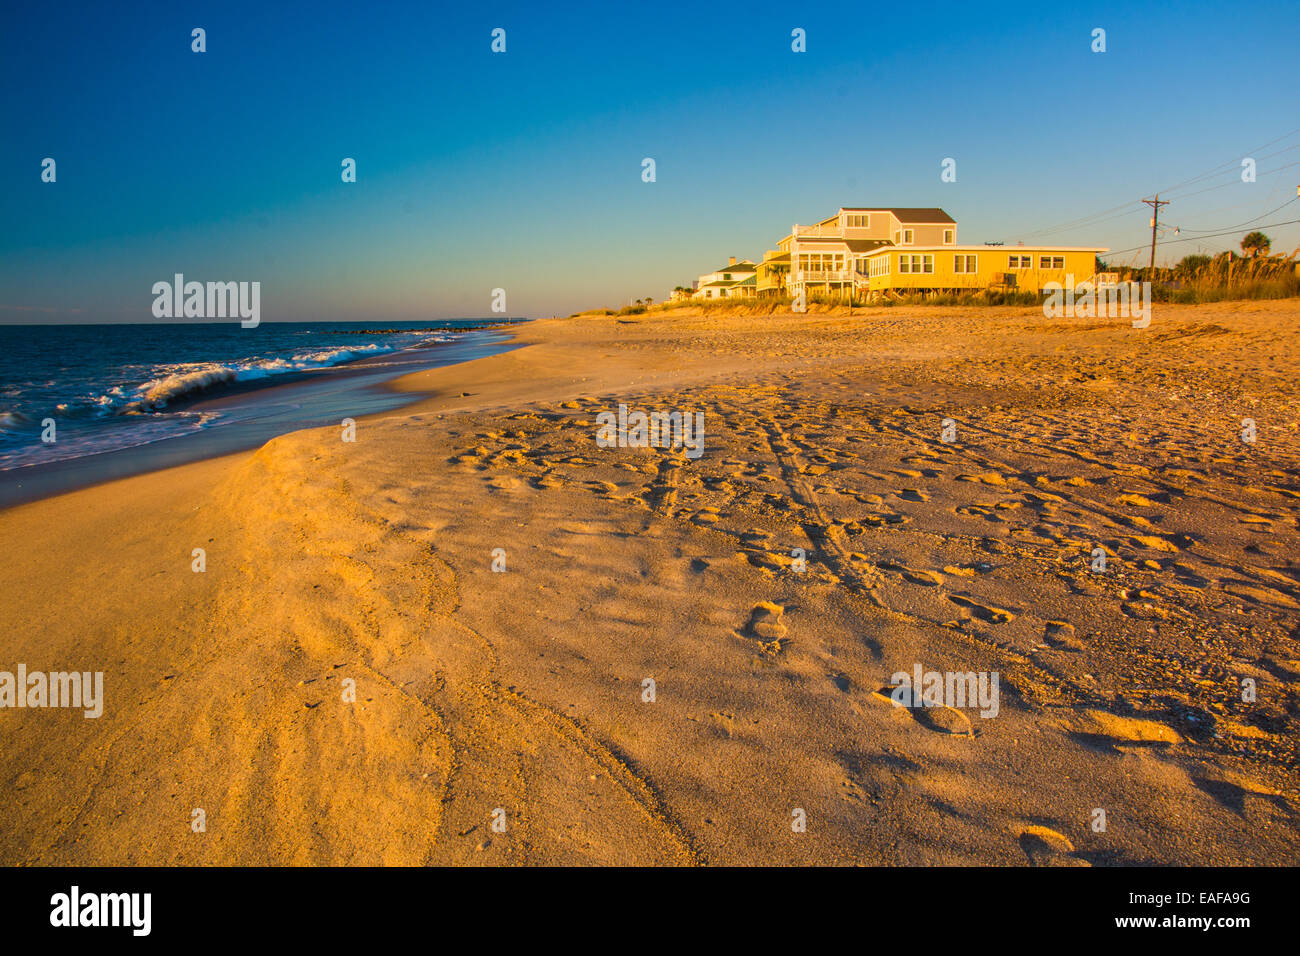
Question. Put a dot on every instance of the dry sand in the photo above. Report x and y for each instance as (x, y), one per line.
(372, 562)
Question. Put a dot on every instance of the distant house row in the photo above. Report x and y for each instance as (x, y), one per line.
(871, 253)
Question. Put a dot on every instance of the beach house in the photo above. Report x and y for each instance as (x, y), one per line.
(735, 280)
(889, 252)
(830, 256)
(773, 273)
(899, 270)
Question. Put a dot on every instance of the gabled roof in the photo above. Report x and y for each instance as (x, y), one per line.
(744, 265)
(727, 283)
(853, 245)
(906, 214)
(866, 245)
(911, 214)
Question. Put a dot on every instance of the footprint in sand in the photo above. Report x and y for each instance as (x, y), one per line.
(878, 521)
(1153, 543)
(1136, 500)
(1047, 847)
(1259, 594)
(1257, 523)
(985, 612)
(986, 512)
(984, 478)
(1232, 789)
(911, 494)
(1114, 731)
(766, 625)
(1060, 636)
(925, 578)
(940, 720)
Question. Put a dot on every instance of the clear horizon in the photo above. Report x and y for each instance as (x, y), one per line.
(522, 170)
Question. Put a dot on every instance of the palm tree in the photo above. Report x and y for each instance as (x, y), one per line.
(1256, 243)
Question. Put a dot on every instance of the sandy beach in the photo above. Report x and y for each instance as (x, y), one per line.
(523, 690)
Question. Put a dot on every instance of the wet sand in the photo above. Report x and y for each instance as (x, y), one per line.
(246, 414)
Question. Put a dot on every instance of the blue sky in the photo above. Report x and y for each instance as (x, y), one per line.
(523, 170)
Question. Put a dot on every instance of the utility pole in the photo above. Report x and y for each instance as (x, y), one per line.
(1155, 205)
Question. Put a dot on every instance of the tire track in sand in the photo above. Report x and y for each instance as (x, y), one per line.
(826, 536)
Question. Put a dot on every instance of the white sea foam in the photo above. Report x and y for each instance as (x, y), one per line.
(119, 416)
(181, 381)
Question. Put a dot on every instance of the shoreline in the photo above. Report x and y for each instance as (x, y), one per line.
(372, 562)
(253, 407)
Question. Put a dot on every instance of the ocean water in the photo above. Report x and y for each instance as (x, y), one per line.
(113, 387)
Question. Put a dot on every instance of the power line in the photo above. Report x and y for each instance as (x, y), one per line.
(1233, 170)
(1105, 215)
(1215, 170)
(1267, 225)
(1233, 182)
(1232, 207)
(1248, 221)
(1069, 227)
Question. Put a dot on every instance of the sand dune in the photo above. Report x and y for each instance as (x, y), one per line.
(524, 691)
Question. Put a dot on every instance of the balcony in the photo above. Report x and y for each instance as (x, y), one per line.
(829, 229)
(822, 275)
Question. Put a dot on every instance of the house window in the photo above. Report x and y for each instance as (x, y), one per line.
(947, 237)
(964, 264)
(915, 264)
(1020, 262)
(879, 266)
(897, 236)
(857, 221)
(1051, 262)
(907, 237)
(821, 262)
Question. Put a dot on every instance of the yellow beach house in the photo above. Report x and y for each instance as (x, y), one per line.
(873, 253)
(830, 256)
(952, 268)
